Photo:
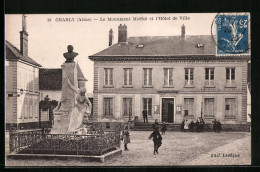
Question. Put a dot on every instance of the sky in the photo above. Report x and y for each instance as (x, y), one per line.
(48, 40)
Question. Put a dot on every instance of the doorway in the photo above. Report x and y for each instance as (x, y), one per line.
(168, 110)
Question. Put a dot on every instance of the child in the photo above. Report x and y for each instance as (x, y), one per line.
(126, 137)
(157, 139)
(163, 129)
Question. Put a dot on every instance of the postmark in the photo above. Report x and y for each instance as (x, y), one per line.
(232, 34)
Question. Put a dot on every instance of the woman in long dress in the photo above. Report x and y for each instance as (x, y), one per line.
(81, 110)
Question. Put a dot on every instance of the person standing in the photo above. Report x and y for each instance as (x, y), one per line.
(186, 126)
(164, 128)
(157, 139)
(126, 137)
(155, 124)
(214, 125)
(145, 116)
(219, 128)
(182, 125)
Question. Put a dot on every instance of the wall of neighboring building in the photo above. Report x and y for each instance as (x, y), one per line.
(9, 90)
(220, 92)
(28, 102)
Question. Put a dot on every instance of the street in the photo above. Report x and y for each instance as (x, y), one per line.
(208, 148)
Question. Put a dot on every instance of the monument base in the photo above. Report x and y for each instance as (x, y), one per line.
(61, 122)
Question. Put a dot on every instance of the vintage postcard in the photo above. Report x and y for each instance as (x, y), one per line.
(154, 89)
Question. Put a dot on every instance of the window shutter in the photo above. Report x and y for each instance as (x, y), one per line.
(145, 76)
(227, 74)
(125, 76)
(212, 74)
(171, 77)
(165, 76)
(111, 77)
(232, 74)
(130, 76)
(106, 77)
(150, 76)
(111, 106)
(130, 107)
(206, 74)
(191, 74)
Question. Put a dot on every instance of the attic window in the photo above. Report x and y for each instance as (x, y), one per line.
(200, 45)
(140, 46)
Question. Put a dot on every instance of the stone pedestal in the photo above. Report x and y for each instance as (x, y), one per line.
(68, 99)
(68, 96)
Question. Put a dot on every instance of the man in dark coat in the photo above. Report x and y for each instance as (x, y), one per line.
(164, 128)
(145, 116)
(219, 128)
(157, 139)
(155, 124)
(182, 125)
(214, 125)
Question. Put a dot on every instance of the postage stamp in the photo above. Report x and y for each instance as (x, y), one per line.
(232, 34)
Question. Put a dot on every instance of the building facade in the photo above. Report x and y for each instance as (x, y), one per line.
(174, 78)
(21, 84)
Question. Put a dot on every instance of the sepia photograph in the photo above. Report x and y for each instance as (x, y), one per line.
(137, 89)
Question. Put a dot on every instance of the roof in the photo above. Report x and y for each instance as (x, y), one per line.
(51, 79)
(162, 46)
(80, 74)
(12, 53)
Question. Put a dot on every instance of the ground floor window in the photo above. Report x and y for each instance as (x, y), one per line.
(188, 106)
(209, 107)
(127, 105)
(147, 105)
(230, 107)
(25, 108)
(108, 106)
(30, 108)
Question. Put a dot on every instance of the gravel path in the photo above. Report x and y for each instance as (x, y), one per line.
(177, 149)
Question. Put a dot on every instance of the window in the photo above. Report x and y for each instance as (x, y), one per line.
(147, 104)
(188, 76)
(188, 106)
(25, 110)
(147, 76)
(108, 106)
(30, 108)
(230, 107)
(209, 107)
(230, 76)
(108, 76)
(127, 105)
(128, 76)
(36, 108)
(168, 77)
(209, 76)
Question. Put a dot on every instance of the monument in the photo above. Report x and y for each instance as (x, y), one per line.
(73, 104)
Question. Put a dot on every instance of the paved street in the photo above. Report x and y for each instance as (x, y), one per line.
(233, 148)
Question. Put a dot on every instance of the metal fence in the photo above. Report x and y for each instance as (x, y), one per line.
(42, 142)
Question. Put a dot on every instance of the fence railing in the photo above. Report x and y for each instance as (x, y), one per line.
(42, 142)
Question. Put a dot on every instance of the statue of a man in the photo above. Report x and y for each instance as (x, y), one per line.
(70, 55)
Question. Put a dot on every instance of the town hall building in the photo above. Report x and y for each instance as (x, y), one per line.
(172, 77)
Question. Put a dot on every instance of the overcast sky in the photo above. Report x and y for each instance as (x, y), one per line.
(48, 40)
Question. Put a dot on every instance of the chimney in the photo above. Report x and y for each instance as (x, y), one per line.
(110, 37)
(24, 38)
(183, 32)
(122, 33)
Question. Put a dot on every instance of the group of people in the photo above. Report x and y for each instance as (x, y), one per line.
(155, 135)
(199, 125)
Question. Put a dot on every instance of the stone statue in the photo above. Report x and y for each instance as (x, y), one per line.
(70, 55)
(81, 111)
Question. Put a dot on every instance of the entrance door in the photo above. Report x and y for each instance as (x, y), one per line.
(168, 110)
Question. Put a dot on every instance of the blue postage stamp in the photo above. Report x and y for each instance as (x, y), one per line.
(232, 34)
